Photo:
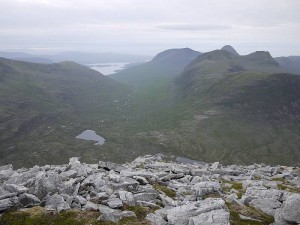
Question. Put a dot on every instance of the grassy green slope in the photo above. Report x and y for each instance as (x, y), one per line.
(224, 107)
(151, 104)
(43, 108)
(246, 114)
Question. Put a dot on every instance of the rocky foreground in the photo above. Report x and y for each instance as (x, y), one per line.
(178, 194)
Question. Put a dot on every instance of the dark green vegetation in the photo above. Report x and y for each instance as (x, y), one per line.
(152, 103)
(38, 216)
(43, 108)
(217, 106)
(169, 192)
(222, 107)
(259, 217)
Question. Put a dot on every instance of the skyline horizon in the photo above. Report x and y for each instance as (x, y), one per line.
(132, 27)
(39, 52)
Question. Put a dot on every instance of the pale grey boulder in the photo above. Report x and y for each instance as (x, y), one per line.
(127, 198)
(25, 177)
(5, 204)
(80, 200)
(270, 184)
(111, 166)
(95, 180)
(262, 192)
(66, 175)
(5, 172)
(105, 209)
(56, 202)
(29, 200)
(278, 217)
(100, 197)
(15, 188)
(141, 180)
(114, 203)
(181, 215)
(266, 205)
(106, 189)
(291, 209)
(214, 217)
(200, 172)
(215, 165)
(126, 183)
(167, 201)
(147, 197)
(155, 220)
(113, 176)
(172, 176)
(47, 183)
(207, 187)
(81, 169)
(129, 172)
(71, 187)
(90, 206)
(147, 204)
(116, 216)
(296, 181)
(252, 183)
(8, 195)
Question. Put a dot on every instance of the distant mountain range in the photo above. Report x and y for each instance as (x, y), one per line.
(166, 65)
(78, 57)
(222, 106)
(213, 106)
(290, 63)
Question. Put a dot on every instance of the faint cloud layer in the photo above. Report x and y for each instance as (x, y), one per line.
(196, 27)
(147, 27)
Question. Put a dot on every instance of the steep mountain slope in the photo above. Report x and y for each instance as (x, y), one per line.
(244, 109)
(164, 65)
(290, 63)
(224, 107)
(44, 106)
(152, 100)
(214, 65)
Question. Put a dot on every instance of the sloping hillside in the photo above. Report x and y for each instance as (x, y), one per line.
(43, 107)
(244, 109)
(164, 65)
(233, 108)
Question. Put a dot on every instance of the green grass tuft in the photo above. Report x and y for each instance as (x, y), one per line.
(169, 192)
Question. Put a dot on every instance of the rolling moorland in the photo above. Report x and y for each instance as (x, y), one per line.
(214, 106)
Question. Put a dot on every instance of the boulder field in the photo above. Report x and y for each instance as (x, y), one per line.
(194, 193)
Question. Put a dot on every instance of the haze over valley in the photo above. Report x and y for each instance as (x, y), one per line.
(149, 112)
(209, 106)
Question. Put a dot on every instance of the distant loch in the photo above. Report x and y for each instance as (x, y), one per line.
(90, 135)
(108, 68)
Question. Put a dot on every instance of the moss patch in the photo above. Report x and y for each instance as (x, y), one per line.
(236, 210)
(38, 216)
(169, 192)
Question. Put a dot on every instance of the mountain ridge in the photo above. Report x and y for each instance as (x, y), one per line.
(149, 190)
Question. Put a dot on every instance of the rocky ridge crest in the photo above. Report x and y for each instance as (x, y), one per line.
(191, 193)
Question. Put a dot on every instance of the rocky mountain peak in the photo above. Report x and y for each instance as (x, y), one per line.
(262, 56)
(175, 56)
(230, 49)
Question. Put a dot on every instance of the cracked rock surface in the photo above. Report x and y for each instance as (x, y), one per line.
(177, 193)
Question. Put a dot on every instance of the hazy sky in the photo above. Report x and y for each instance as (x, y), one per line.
(150, 26)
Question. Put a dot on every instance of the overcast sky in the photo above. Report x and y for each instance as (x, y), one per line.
(150, 26)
